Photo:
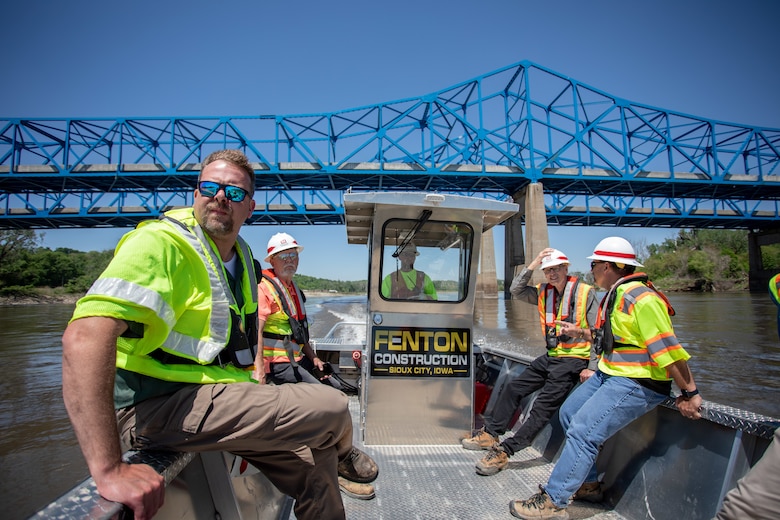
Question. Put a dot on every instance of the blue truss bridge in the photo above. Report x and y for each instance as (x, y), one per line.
(601, 160)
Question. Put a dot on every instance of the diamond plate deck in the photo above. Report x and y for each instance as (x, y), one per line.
(439, 482)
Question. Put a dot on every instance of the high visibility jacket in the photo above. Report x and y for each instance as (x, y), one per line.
(774, 288)
(167, 276)
(279, 341)
(642, 339)
(571, 308)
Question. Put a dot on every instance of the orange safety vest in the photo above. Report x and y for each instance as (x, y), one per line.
(280, 344)
(572, 308)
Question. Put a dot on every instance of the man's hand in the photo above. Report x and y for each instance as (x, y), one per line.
(138, 486)
(538, 260)
(88, 368)
(689, 408)
(586, 374)
(681, 374)
(318, 364)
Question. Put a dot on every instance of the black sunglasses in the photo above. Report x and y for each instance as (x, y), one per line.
(595, 263)
(232, 193)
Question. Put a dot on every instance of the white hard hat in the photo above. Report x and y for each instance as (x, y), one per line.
(410, 248)
(281, 242)
(553, 259)
(615, 249)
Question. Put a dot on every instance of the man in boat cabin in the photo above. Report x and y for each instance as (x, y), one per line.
(408, 283)
(567, 307)
(640, 357)
(287, 355)
(160, 354)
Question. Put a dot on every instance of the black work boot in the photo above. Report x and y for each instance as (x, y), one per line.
(358, 467)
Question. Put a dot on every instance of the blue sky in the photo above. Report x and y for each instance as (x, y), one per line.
(80, 59)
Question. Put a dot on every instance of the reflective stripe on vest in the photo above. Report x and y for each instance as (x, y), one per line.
(278, 323)
(621, 358)
(275, 351)
(221, 298)
(574, 299)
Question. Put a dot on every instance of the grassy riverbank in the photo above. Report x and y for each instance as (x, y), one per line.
(39, 296)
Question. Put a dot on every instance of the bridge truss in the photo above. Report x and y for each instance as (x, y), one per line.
(602, 160)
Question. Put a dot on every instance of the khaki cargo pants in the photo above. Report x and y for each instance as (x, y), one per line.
(294, 434)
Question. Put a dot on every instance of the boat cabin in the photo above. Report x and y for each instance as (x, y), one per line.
(418, 374)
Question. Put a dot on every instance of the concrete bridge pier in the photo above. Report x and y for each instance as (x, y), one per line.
(760, 274)
(487, 280)
(517, 253)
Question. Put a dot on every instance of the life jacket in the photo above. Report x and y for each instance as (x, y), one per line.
(400, 291)
(624, 353)
(193, 328)
(286, 330)
(573, 309)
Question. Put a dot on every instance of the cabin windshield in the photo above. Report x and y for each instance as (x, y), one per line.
(425, 260)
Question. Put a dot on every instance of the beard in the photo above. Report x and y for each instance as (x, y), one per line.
(217, 224)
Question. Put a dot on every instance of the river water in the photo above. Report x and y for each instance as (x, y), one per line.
(732, 338)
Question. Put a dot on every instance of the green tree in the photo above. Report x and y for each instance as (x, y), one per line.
(92, 263)
(770, 256)
(59, 266)
(700, 259)
(16, 248)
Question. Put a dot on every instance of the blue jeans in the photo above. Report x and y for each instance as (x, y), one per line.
(595, 411)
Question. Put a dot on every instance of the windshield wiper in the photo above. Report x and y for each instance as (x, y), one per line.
(423, 218)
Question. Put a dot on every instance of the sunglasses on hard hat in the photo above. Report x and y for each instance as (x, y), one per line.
(232, 193)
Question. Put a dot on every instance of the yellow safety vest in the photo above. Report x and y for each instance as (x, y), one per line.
(573, 308)
(774, 288)
(167, 276)
(277, 331)
(638, 353)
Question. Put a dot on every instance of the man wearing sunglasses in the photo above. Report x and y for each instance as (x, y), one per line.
(567, 307)
(164, 345)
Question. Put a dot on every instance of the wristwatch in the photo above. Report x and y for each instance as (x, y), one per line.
(687, 395)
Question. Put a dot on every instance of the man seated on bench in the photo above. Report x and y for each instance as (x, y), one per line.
(160, 352)
(567, 307)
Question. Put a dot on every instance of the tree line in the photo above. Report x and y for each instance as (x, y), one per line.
(694, 260)
(26, 269)
(706, 260)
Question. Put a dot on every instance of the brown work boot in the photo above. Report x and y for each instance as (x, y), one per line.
(358, 467)
(538, 506)
(590, 492)
(356, 490)
(495, 460)
(481, 440)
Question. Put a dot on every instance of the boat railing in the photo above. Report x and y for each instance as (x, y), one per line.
(335, 341)
(196, 483)
(745, 421)
(657, 450)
